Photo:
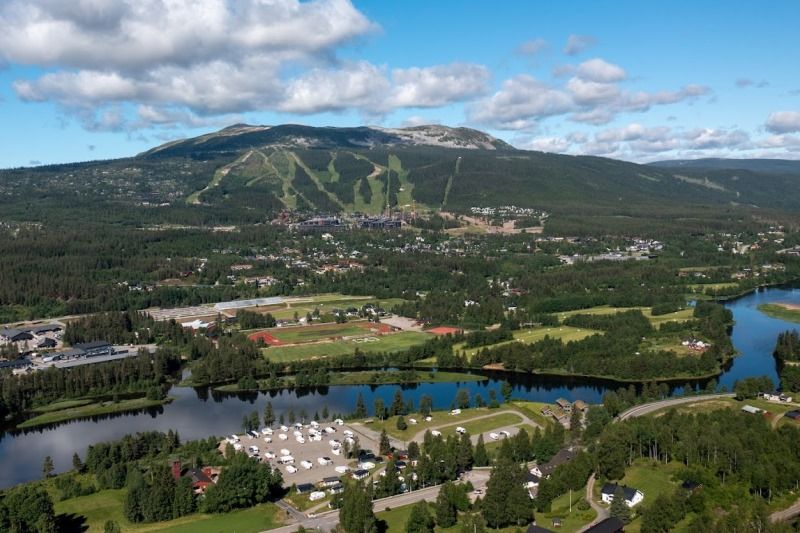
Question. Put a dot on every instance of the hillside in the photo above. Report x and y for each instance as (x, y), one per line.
(771, 166)
(244, 173)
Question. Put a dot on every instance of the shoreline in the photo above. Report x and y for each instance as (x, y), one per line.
(86, 408)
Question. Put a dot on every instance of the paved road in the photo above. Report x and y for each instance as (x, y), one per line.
(326, 521)
(647, 408)
(602, 512)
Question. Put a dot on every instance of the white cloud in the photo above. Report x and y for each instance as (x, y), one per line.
(532, 47)
(578, 43)
(520, 102)
(417, 120)
(437, 86)
(784, 122)
(599, 70)
(355, 85)
(547, 144)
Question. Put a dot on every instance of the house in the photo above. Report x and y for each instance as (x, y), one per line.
(47, 344)
(15, 335)
(609, 525)
(360, 474)
(46, 328)
(793, 414)
(336, 489)
(531, 480)
(564, 405)
(16, 364)
(562, 457)
(201, 478)
(580, 405)
(632, 496)
(775, 397)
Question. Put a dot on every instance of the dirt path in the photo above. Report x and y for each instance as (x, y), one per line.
(602, 512)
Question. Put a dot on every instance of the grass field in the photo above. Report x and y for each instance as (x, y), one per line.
(66, 404)
(570, 521)
(565, 333)
(678, 316)
(653, 479)
(82, 410)
(780, 312)
(775, 409)
(300, 334)
(108, 505)
(326, 303)
(533, 410)
(395, 342)
(444, 421)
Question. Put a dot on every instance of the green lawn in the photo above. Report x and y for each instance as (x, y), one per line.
(565, 333)
(444, 421)
(775, 409)
(52, 416)
(66, 404)
(297, 334)
(560, 508)
(326, 303)
(108, 505)
(780, 312)
(394, 342)
(533, 410)
(682, 315)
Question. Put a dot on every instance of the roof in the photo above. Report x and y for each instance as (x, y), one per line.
(529, 476)
(305, 487)
(330, 479)
(533, 528)
(197, 475)
(44, 328)
(94, 345)
(74, 352)
(793, 414)
(10, 332)
(750, 409)
(563, 456)
(359, 473)
(16, 363)
(611, 488)
(609, 525)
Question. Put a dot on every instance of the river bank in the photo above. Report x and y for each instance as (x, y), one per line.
(86, 408)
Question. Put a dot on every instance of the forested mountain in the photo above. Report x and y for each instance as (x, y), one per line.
(774, 166)
(244, 173)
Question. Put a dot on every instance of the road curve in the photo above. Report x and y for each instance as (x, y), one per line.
(647, 408)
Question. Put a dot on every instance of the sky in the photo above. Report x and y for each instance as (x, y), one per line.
(633, 80)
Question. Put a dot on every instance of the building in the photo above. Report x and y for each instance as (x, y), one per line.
(793, 414)
(752, 410)
(562, 457)
(580, 405)
(330, 481)
(609, 525)
(16, 364)
(360, 474)
(632, 496)
(46, 344)
(95, 348)
(15, 335)
(304, 488)
(564, 405)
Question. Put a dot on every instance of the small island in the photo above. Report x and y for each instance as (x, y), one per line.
(782, 311)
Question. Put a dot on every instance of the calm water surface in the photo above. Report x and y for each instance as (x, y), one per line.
(200, 413)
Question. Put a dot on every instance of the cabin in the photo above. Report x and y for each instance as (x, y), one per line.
(580, 405)
(304, 488)
(564, 405)
(632, 496)
(793, 415)
(329, 481)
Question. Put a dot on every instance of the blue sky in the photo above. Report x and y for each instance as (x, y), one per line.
(641, 81)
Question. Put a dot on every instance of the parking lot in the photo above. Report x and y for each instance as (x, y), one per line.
(307, 455)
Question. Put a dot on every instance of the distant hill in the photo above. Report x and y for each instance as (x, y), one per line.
(773, 166)
(245, 172)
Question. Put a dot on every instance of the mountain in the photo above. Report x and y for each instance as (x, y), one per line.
(244, 136)
(772, 166)
(244, 173)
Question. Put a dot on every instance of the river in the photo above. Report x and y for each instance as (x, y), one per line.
(200, 413)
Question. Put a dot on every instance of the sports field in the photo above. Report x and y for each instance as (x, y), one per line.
(394, 342)
(326, 303)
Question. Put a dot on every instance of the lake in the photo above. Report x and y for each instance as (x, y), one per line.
(197, 413)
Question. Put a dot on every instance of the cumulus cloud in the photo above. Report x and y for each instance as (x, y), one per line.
(599, 70)
(417, 120)
(783, 122)
(578, 43)
(532, 47)
(437, 86)
(592, 95)
(191, 63)
(519, 103)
